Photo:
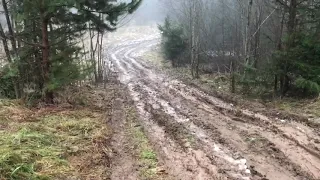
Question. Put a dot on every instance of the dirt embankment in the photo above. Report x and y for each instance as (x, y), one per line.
(199, 136)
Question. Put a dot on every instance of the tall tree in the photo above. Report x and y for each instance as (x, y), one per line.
(50, 31)
(9, 25)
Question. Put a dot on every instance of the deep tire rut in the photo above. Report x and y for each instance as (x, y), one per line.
(200, 137)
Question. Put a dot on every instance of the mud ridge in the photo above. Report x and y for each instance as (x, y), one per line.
(240, 116)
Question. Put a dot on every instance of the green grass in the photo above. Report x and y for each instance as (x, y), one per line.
(147, 157)
(31, 153)
(38, 147)
(148, 154)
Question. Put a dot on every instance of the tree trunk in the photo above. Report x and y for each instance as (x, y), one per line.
(93, 54)
(11, 33)
(279, 48)
(248, 43)
(275, 85)
(48, 94)
(195, 39)
(197, 58)
(100, 59)
(37, 57)
(5, 44)
(285, 84)
(13, 44)
(257, 37)
(193, 11)
(233, 77)
(292, 17)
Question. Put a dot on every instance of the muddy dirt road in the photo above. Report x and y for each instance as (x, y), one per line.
(200, 137)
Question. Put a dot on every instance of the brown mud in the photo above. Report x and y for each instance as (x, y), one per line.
(199, 136)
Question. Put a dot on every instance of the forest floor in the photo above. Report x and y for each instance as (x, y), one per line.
(198, 134)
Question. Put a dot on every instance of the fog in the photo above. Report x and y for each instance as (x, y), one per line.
(149, 13)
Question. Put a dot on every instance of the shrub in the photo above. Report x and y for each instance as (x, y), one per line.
(173, 42)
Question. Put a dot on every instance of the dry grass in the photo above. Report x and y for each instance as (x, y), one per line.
(308, 107)
(54, 142)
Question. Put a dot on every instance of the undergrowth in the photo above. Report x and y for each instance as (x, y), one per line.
(51, 143)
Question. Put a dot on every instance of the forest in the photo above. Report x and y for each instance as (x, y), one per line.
(264, 47)
(49, 44)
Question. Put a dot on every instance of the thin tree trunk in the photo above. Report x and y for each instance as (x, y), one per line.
(18, 41)
(279, 48)
(257, 37)
(223, 31)
(18, 90)
(248, 43)
(45, 56)
(193, 11)
(5, 44)
(195, 39)
(197, 57)
(92, 54)
(101, 64)
(38, 59)
(233, 62)
(11, 33)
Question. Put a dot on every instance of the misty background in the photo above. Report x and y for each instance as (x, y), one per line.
(151, 12)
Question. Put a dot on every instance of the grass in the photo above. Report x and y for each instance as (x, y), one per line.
(147, 157)
(307, 107)
(50, 143)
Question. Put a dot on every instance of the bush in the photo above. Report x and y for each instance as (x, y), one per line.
(173, 42)
(301, 63)
(8, 76)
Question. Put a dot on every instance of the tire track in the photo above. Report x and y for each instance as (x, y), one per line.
(230, 142)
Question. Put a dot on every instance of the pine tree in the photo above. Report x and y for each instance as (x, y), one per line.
(173, 41)
(49, 30)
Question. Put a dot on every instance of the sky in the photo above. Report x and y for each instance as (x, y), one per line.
(149, 13)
